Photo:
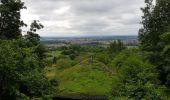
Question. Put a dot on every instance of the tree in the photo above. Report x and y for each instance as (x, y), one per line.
(10, 21)
(137, 79)
(116, 46)
(72, 51)
(156, 22)
(32, 38)
(20, 72)
(22, 57)
(166, 56)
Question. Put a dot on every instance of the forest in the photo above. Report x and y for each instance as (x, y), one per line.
(31, 71)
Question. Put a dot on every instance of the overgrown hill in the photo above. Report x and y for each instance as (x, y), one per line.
(88, 77)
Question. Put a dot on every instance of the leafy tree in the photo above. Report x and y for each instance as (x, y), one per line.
(32, 38)
(155, 22)
(36, 85)
(119, 59)
(116, 46)
(137, 79)
(21, 60)
(20, 71)
(166, 56)
(10, 21)
(72, 51)
(153, 36)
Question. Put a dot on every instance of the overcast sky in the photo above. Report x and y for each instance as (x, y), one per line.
(85, 17)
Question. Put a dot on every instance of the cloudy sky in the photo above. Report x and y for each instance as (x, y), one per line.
(85, 17)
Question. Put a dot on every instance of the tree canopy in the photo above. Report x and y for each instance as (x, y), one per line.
(154, 36)
(22, 57)
(10, 19)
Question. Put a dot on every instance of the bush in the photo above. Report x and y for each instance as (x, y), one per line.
(64, 63)
(137, 78)
(20, 71)
(116, 47)
(103, 57)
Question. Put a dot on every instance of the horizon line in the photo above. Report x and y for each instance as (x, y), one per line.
(88, 35)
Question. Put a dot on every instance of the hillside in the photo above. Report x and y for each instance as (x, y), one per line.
(88, 77)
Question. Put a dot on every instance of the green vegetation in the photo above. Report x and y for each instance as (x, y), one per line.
(22, 59)
(154, 37)
(83, 78)
(86, 74)
(126, 73)
(29, 70)
(137, 78)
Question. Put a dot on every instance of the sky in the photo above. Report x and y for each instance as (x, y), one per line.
(84, 17)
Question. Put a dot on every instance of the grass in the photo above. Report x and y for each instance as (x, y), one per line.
(84, 78)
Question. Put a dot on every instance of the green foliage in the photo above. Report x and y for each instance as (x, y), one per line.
(154, 36)
(21, 60)
(72, 51)
(137, 79)
(54, 60)
(52, 57)
(19, 65)
(118, 61)
(155, 21)
(103, 57)
(130, 75)
(165, 37)
(10, 21)
(96, 49)
(63, 63)
(40, 50)
(31, 37)
(35, 84)
(84, 78)
(166, 55)
(116, 46)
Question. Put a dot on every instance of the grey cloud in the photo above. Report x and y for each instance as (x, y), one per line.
(88, 16)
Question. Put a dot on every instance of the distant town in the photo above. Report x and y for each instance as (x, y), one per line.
(88, 40)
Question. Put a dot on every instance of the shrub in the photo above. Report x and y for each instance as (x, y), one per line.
(137, 78)
(20, 71)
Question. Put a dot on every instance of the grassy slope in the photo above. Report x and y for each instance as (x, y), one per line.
(91, 78)
(86, 79)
